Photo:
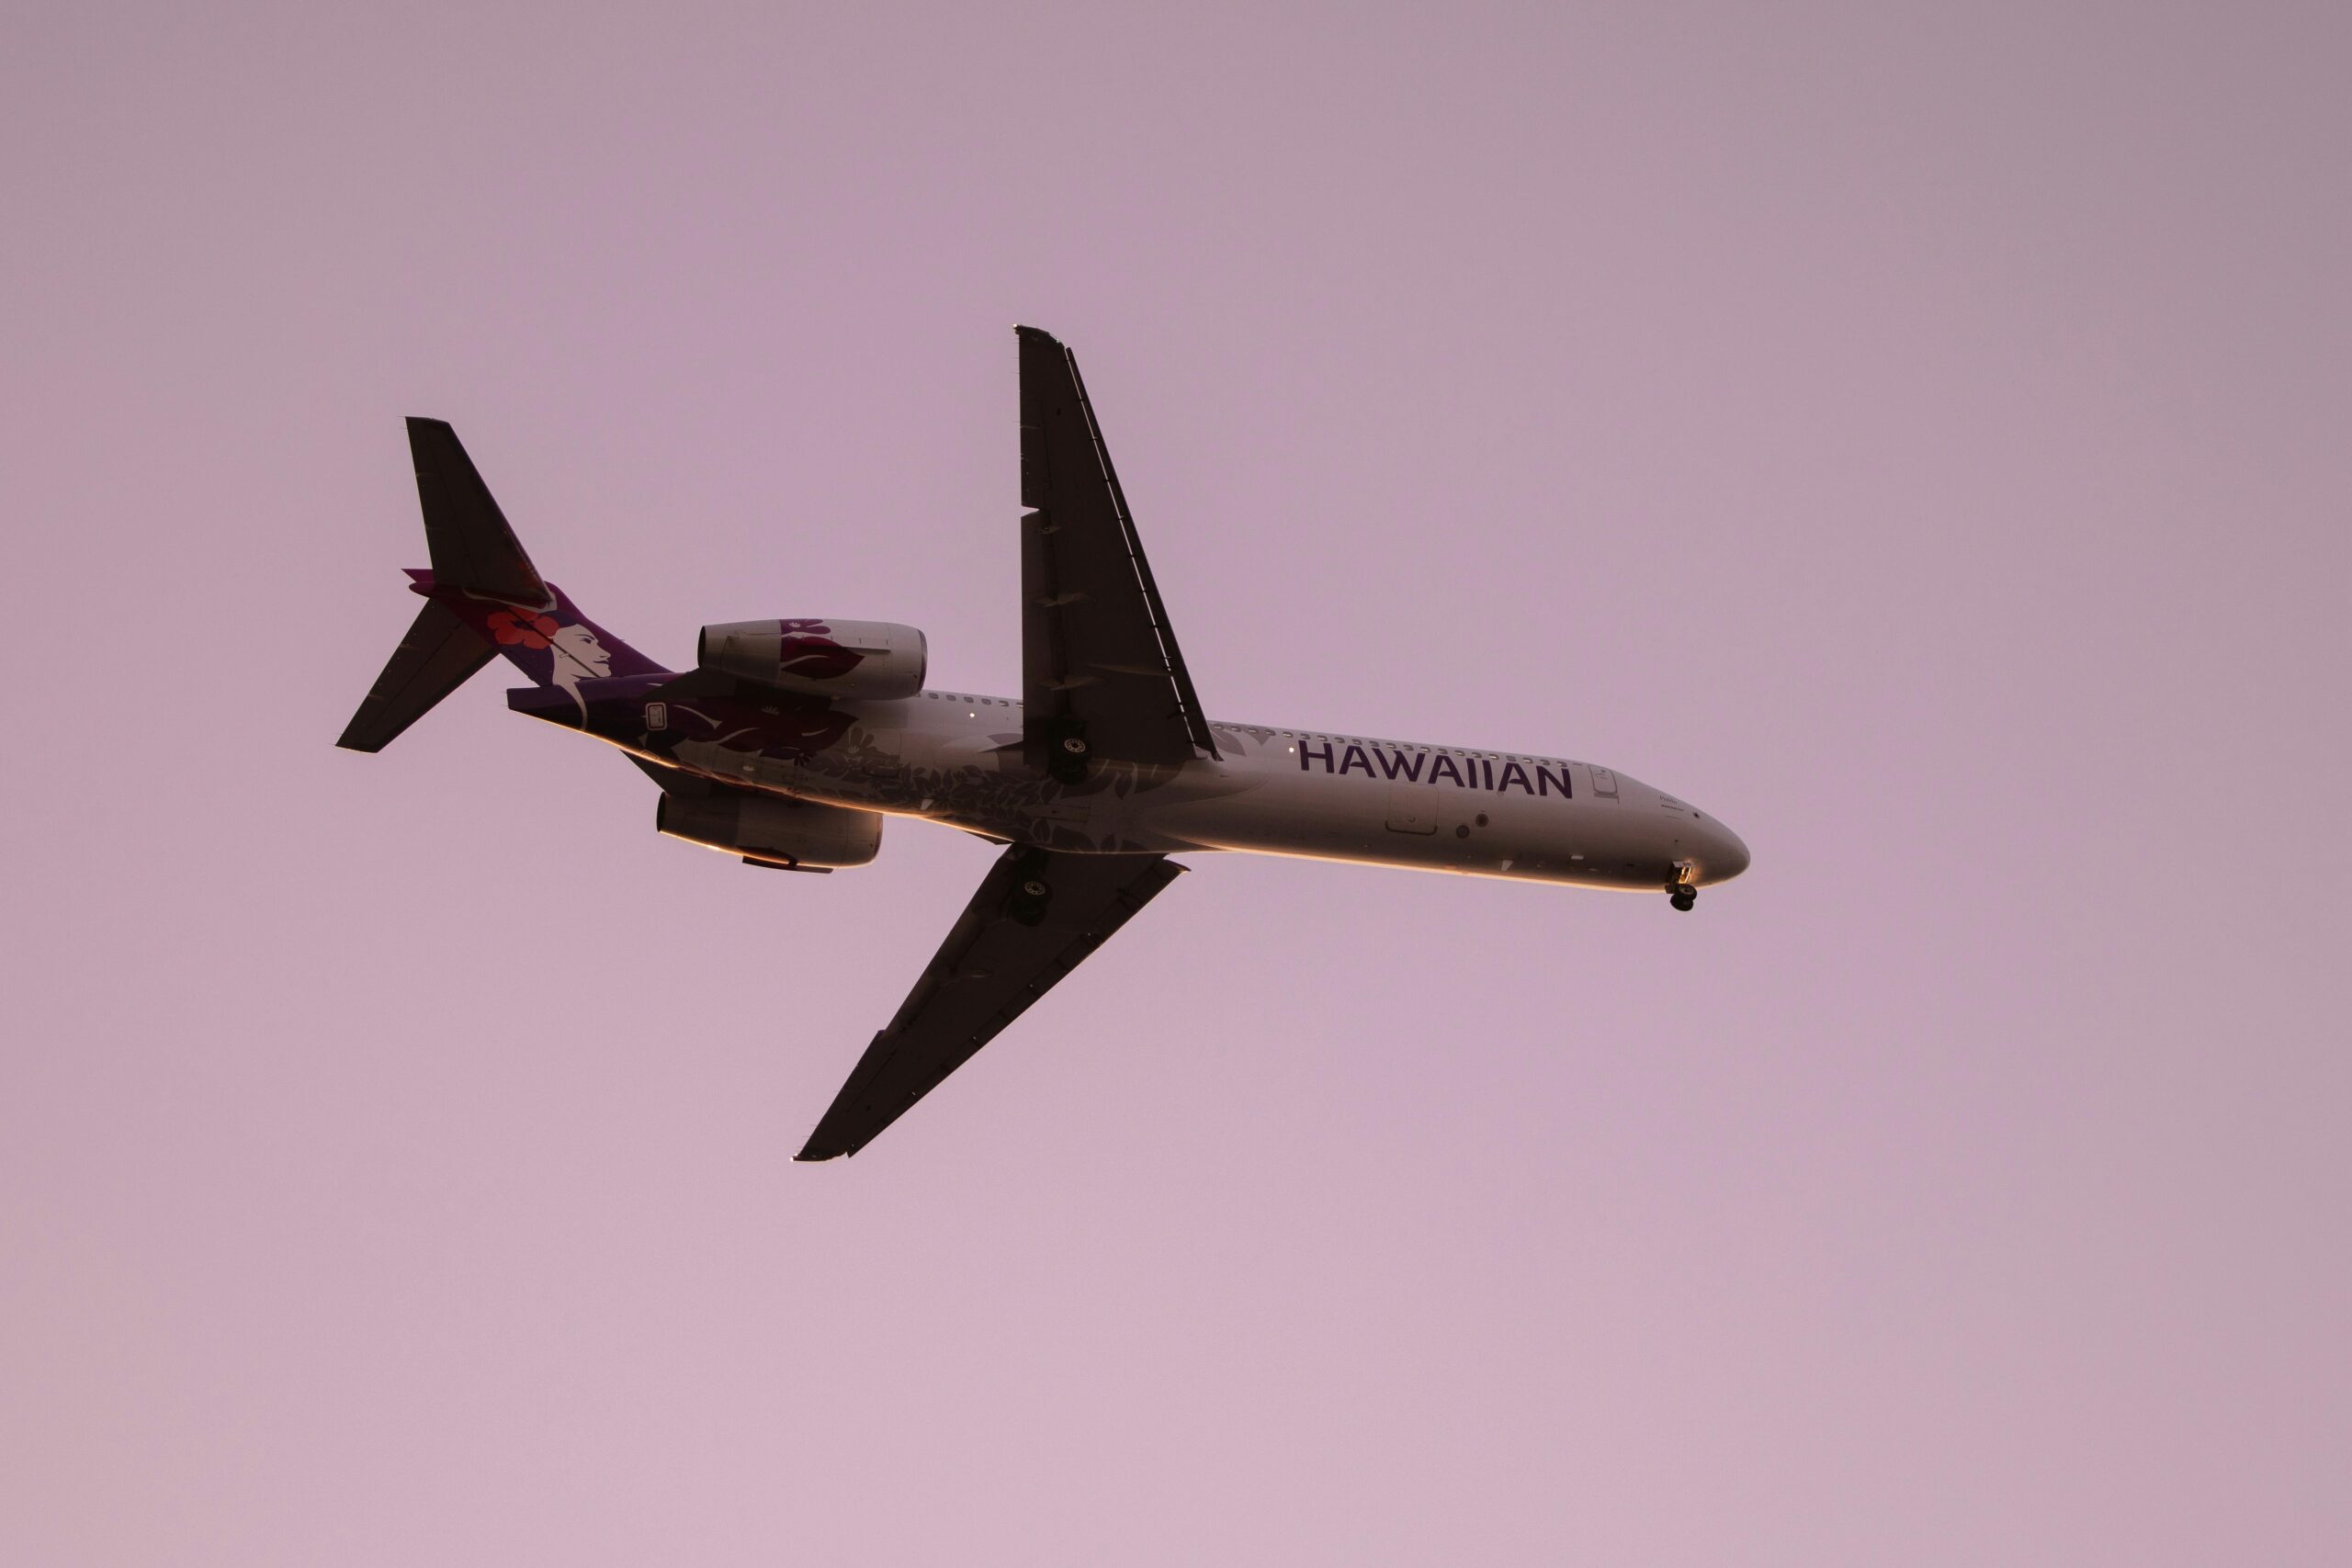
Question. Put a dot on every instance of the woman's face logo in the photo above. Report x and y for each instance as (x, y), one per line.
(578, 656)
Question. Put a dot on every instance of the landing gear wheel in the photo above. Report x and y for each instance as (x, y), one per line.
(1026, 899)
(1027, 902)
(1066, 762)
(1683, 898)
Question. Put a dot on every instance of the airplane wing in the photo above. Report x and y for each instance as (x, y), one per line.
(1101, 674)
(1038, 915)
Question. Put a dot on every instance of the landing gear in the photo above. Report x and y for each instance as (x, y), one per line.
(1067, 757)
(1683, 898)
(1026, 901)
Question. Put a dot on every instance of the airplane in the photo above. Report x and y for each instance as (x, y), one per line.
(791, 740)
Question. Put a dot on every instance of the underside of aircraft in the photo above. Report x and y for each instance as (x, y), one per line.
(790, 740)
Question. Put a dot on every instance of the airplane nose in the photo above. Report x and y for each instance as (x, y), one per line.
(1723, 856)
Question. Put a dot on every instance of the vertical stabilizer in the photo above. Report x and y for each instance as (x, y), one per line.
(432, 661)
(473, 550)
(482, 597)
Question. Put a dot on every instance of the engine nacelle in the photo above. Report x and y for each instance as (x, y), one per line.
(797, 833)
(875, 660)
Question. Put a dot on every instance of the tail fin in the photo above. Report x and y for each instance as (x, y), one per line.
(432, 661)
(484, 596)
(472, 547)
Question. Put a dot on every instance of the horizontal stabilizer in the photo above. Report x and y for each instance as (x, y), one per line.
(432, 661)
(473, 550)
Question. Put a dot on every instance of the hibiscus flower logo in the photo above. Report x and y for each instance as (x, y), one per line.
(529, 627)
(816, 658)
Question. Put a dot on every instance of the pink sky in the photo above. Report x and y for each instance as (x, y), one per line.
(1915, 434)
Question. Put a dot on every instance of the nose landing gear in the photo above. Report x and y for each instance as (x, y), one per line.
(1679, 892)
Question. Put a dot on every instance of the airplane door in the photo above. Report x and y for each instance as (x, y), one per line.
(1412, 807)
(1604, 783)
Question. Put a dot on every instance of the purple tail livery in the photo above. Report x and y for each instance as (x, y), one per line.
(793, 736)
(481, 597)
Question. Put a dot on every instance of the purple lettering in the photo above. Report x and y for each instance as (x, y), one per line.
(1305, 751)
(1545, 779)
(1394, 762)
(1441, 763)
(1513, 771)
(1354, 758)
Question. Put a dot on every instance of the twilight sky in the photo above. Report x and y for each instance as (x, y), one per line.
(1916, 434)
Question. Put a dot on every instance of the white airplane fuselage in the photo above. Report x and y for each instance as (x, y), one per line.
(788, 741)
(958, 759)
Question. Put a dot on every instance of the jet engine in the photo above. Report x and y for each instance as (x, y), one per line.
(798, 834)
(874, 661)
